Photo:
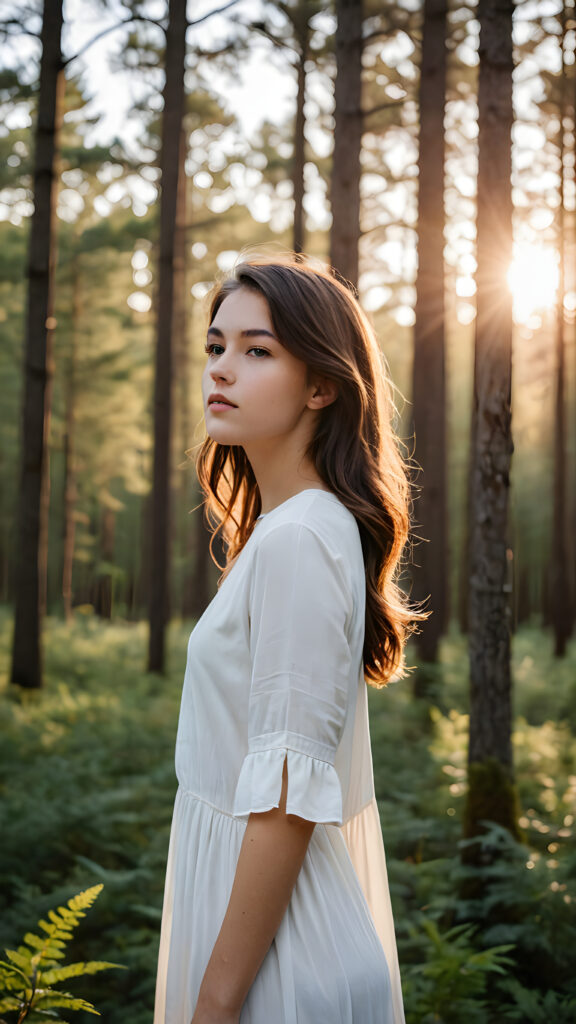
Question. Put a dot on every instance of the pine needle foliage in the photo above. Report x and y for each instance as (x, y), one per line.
(28, 975)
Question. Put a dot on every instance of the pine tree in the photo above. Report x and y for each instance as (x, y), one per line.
(30, 584)
(345, 186)
(560, 595)
(491, 794)
(169, 165)
(429, 371)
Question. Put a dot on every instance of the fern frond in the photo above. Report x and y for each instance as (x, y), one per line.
(32, 969)
(48, 1000)
(9, 1003)
(21, 958)
(57, 974)
(84, 900)
(33, 941)
(7, 972)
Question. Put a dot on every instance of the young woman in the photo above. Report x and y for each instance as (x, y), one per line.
(277, 908)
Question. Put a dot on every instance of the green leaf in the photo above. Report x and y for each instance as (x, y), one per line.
(20, 959)
(10, 971)
(10, 1003)
(35, 941)
(58, 974)
(64, 1000)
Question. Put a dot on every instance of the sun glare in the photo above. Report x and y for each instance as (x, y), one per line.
(533, 280)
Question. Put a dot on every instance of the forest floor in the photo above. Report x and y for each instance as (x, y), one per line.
(86, 790)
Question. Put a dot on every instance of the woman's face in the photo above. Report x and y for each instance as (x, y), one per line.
(265, 390)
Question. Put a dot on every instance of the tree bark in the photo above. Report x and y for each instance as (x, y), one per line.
(300, 143)
(199, 593)
(346, 169)
(143, 557)
(572, 478)
(70, 490)
(465, 570)
(32, 538)
(491, 792)
(561, 554)
(429, 374)
(181, 382)
(169, 165)
(104, 585)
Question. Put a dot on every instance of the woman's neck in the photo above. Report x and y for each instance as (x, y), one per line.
(278, 480)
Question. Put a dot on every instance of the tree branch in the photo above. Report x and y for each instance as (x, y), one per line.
(13, 22)
(112, 28)
(217, 10)
(384, 227)
(280, 44)
(141, 18)
(383, 106)
(106, 31)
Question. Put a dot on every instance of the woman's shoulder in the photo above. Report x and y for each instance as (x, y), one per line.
(316, 512)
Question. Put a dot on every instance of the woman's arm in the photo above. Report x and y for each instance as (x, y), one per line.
(271, 855)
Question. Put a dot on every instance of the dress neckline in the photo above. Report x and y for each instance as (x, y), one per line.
(307, 490)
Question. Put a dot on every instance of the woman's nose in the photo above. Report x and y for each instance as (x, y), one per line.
(222, 370)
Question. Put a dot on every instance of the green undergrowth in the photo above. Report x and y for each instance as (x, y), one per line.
(86, 792)
(524, 892)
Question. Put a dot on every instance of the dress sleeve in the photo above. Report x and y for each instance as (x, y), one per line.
(300, 610)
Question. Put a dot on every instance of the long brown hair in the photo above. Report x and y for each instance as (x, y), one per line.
(355, 449)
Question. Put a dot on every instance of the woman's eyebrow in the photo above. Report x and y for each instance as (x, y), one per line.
(252, 332)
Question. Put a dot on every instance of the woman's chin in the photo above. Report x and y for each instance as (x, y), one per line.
(220, 435)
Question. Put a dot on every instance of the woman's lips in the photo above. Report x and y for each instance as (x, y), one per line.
(219, 402)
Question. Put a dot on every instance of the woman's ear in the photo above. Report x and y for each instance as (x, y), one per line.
(325, 391)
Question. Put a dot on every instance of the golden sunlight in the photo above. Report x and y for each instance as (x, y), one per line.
(533, 280)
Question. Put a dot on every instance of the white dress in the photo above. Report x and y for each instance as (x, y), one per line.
(274, 673)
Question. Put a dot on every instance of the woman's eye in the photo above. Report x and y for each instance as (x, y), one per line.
(259, 352)
(211, 348)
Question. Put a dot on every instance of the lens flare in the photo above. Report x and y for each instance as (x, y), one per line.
(533, 280)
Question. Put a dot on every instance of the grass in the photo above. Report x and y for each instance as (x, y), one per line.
(87, 785)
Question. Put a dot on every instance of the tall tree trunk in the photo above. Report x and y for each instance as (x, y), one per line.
(196, 591)
(463, 552)
(345, 186)
(142, 557)
(32, 539)
(104, 583)
(491, 793)
(429, 374)
(561, 555)
(199, 593)
(464, 570)
(299, 158)
(181, 381)
(70, 491)
(523, 607)
(169, 166)
(6, 515)
(572, 476)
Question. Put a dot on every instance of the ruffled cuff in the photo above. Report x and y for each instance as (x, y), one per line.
(314, 790)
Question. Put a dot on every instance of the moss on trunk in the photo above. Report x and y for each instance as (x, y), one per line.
(492, 796)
